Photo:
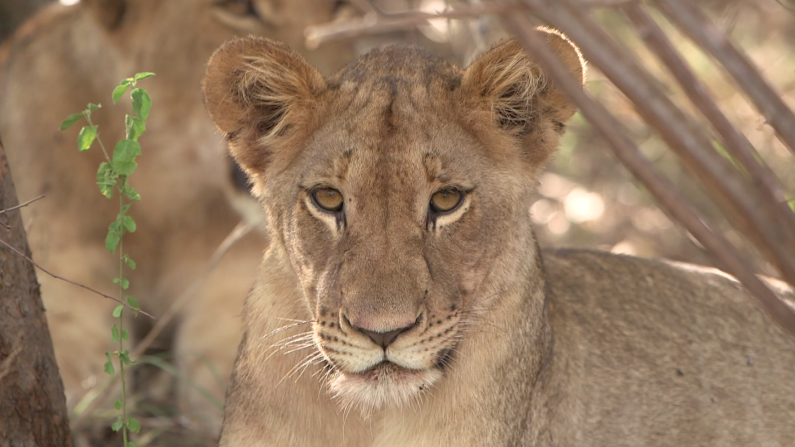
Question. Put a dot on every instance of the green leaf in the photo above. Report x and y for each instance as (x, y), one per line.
(105, 173)
(117, 404)
(109, 365)
(114, 333)
(125, 334)
(106, 191)
(117, 311)
(143, 75)
(133, 425)
(93, 107)
(125, 283)
(129, 224)
(127, 81)
(124, 157)
(141, 103)
(117, 425)
(106, 179)
(134, 304)
(86, 137)
(119, 91)
(130, 263)
(112, 239)
(71, 119)
(135, 127)
(130, 192)
(131, 444)
(125, 357)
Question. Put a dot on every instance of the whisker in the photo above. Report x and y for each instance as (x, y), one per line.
(285, 327)
(297, 338)
(299, 348)
(294, 320)
(287, 343)
(314, 360)
(277, 348)
(295, 368)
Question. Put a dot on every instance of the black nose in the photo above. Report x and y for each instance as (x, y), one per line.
(384, 339)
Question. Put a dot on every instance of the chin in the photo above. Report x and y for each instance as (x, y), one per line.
(386, 385)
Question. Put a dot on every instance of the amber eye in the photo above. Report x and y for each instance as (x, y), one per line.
(328, 199)
(446, 200)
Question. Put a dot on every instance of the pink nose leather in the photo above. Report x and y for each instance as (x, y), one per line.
(384, 339)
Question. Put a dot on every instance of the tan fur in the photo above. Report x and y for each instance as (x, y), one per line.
(499, 344)
(66, 57)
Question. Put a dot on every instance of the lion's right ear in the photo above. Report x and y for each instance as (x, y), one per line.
(518, 95)
(254, 89)
(108, 13)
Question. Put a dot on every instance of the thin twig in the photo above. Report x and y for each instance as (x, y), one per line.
(693, 22)
(665, 192)
(381, 23)
(22, 205)
(678, 130)
(375, 21)
(770, 190)
(74, 282)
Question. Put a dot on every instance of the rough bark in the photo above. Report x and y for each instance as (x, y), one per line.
(14, 12)
(32, 402)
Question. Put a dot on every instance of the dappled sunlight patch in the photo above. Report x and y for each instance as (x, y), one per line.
(581, 205)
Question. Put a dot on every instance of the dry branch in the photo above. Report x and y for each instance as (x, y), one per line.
(678, 130)
(375, 22)
(665, 192)
(769, 189)
(22, 204)
(692, 21)
(75, 283)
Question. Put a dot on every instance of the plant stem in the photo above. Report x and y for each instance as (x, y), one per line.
(99, 140)
(121, 316)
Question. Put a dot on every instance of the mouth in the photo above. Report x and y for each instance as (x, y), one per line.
(384, 385)
(386, 371)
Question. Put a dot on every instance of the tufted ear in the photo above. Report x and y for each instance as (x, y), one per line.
(513, 89)
(108, 13)
(254, 88)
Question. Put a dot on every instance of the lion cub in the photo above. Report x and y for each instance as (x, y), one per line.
(404, 301)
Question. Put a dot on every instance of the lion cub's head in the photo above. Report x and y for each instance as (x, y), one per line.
(398, 189)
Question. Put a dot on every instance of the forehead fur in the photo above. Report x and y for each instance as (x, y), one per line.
(396, 63)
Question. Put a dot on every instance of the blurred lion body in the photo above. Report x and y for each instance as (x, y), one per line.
(65, 57)
(379, 320)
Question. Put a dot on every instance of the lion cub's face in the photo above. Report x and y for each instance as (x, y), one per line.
(399, 190)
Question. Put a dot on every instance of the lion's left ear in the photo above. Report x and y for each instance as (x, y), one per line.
(254, 88)
(512, 88)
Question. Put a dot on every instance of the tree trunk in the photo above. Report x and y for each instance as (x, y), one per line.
(32, 402)
(14, 12)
